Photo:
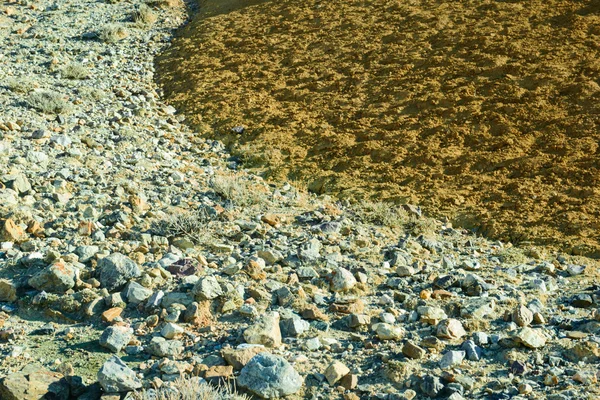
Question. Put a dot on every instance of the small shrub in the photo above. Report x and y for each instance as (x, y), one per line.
(90, 93)
(192, 388)
(143, 16)
(74, 71)
(192, 225)
(21, 84)
(384, 214)
(112, 33)
(238, 191)
(49, 102)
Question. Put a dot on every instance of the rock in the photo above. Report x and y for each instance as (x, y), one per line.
(310, 251)
(207, 288)
(8, 291)
(57, 278)
(405, 270)
(522, 316)
(411, 350)
(582, 300)
(530, 338)
(115, 338)
(86, 253)
(238, 358)
(269, 376)
(342, 280)
(116, 270)
(472, 350)
(171, 330)
(336, 371)
(136, 293)
(116, 377)
(161, 347)
(431, 315)
(358, 320)
(349, 382)
(293, 327)
(451, 358)
(450, 329)
(265, 331)
(34, 382)
(431, 385)
(388, 332)
(11, 232)
(112, 313)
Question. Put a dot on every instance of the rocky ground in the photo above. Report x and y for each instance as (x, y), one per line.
(139, 260)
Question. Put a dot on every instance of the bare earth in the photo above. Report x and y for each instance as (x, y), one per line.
(487, 112)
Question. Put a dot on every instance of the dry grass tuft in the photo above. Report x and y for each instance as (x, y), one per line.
(49, 102)
(384, 214)
(143, 16)
(238, 191)
(192, 225)
(112, 33)
(74, 71)
(21, 84)
(191, 388)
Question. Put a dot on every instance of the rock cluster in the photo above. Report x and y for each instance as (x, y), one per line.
(133, 253)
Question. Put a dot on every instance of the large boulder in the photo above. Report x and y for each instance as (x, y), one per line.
(269, 376)
(57, 278)
(34, 382)
(116, 377)
(116, 270)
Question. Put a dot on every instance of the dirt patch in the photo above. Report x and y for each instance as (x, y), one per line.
(487, 112)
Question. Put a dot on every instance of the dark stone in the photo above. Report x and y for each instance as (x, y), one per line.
(431, 385)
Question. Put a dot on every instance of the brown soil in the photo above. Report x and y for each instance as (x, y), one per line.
(487, 112)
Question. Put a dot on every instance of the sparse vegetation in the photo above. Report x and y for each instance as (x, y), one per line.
(90, 93)
(384, 214)
(112, 33)
(238, 191)
(74, 71)
(192, 225)
(191, 388)
(21, 84)
(49, 102)
(143, 16)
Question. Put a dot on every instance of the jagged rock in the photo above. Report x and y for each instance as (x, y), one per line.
(451, 358)
(269, 376)
(8, 290)
(336, 371)
(136, 293)
(207, 288)
(57, 278)
(342, 280)
(411, 350)
(450, 329)
(116, 270)
(522, 316)
(116, 377)
(161, 347)
(33, 383)
(265, 331)
(115, 338)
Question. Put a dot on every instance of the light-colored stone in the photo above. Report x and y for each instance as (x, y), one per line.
(116, 377)
(342, 280)
(270, 376)
(336, 371)
(265, 331)
(450, 329)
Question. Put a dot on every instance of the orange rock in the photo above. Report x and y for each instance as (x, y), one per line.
(35, 228)
(271, 219)
(112, 313)
(11, 232)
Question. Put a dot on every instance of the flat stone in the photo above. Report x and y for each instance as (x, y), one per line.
(116, 377)
(530, 338)
(269, 376)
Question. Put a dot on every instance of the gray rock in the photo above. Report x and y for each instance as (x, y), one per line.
(136, 293)
(116, 270)
(116, 377)
(162, 347)
(451, 358)
(472, 350)
(270, 376)
(85, 253)
(293, 327)
(207, 288)
(310, 251)
(431, 385)
(115, 338)
(57, 278)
